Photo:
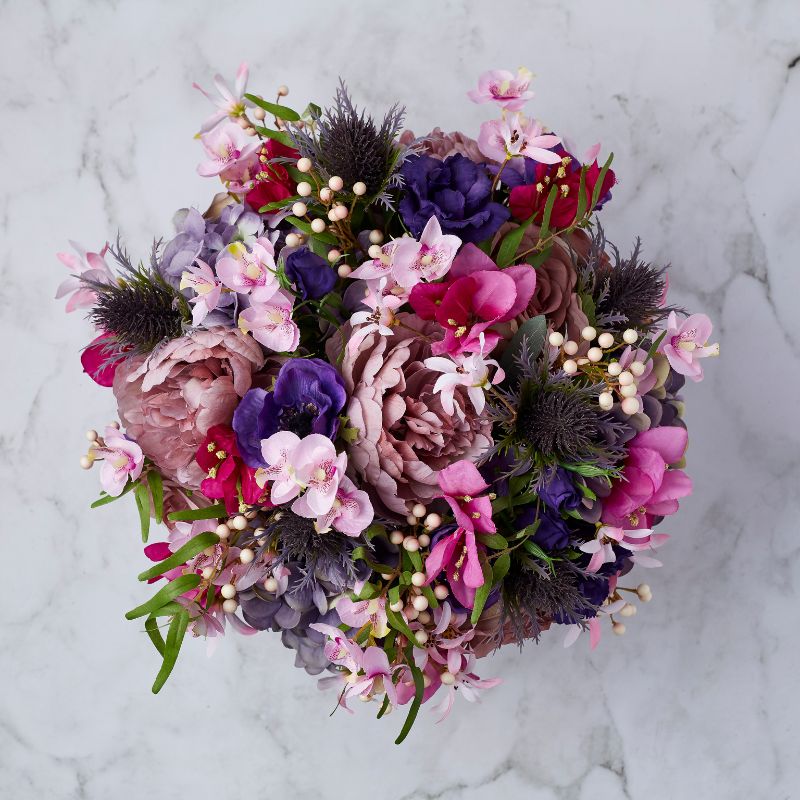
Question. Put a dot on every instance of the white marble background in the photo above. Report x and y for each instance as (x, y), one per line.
(699, 102)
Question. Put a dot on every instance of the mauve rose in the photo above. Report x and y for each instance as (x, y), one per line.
(441, 145)
(404, 435)
(169, 400)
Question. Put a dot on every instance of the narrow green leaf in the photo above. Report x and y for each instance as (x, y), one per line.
(394, 595)
(274, 206)
(191, 514)
(428, 592)
(482, 593)
(581, 209)
(500, 567)
(419, 687)
(654, 347)
(537, 551)
(278, 136)
(587, 470)
(599, 185)
(156, 485)
(493, 540)
(151, 626)
(416, 559)
(399, 624)
(510, 244)
(304, 226)
(384, 707)
(143, 504)
(587, 306)
(177, 630)
(163, 596)
(168, 610)
(181, 555)
(277, 110)
(548, 211)
(110, 498)
(537, 259)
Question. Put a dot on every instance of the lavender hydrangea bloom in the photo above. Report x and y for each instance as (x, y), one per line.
(456, 191)
(307, 398)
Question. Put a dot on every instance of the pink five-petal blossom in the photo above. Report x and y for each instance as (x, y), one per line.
(271, 323)
(122, 459)
(249, 271)
(461, 483)
(231, 102)
(357, 613)
(500, 86)
(515, 137)
(83, 266)
(427, 259)
(226, 147)
(202, 280)
(685, 344)
(648, 487)
(351, 512)
(278, 452)
(319, 470)
(100, 359)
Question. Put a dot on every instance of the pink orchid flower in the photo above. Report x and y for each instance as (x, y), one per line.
(357, 613)
(648, 487)
(686, 343)
(202, 280)
(249, 271)
(470, 370)
(609, 536)
(231, 102)
(271, 323)
(500, 86)
(122, 459)
(464, 682)
(645, 381)
(87, 266)
(226, 146)
(351, 512)
(593, 625)
(427, 259)
(278, 451)
(377, 268)
(515, 137)
(318, 470)
(380, 319)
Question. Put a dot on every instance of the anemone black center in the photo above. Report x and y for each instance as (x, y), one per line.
(298, 419)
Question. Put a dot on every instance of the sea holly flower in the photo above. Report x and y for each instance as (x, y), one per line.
(601, 548)
(230, 102)
(271, 323)
(427, 259)
(83, 266)
(685, 344)
(226, 146)
(351, 512)
(357, 613)
(249, 270)
(122, 459)
(471, 371)
(202, 280)
(380, 318)
(500, 86)
(514, 137)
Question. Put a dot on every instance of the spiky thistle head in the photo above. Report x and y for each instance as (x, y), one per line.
(140, 309)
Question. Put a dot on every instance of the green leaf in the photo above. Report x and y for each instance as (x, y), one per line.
(278, 136)
(587, 470)
(482, 594)
(587, 306)
(650, 353)
(279, 111)
(156, 485)
(191, 514)
(428, 592)
(143, 504)
(304, 226)
(493, 540)
(532, 331)
(509, 501)
(500, 567)
(110, 498)
(581, 209)
(599, 185)
(369, 591)
(548, 211)
(537, 259)
(419, 687)
(416, 560)
(151, 626)
(312, 111)
(399, 624)
(177, 630)
(587, 492)
(278, 204)
(164, 595)
(537, 551)
(511, 242)
(181, 555)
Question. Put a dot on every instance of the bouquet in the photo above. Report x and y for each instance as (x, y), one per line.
(395, 398)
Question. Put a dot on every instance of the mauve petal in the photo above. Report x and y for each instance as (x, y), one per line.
(669, 441)
(525, 281)
(471, 259)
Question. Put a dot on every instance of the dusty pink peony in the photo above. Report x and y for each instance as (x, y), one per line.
(168, 401)
(441, 145)
(405, 437)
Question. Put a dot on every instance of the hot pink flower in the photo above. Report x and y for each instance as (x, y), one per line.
(500, 86)
(207, 288)
(461, 483)
(249, 271)
(227, 147)
(89, 266)
(122, 459)
(515, 137)
(648, 487)
(231, 102)
(100, 359)
(271, 323)
(686, 343)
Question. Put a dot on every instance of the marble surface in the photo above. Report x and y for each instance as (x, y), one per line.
(700, 103)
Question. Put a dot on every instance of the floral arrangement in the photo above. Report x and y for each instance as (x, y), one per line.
(395, 398)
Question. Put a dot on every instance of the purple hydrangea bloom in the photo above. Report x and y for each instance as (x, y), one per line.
(307, 398)
(311, 274)
(456, 191)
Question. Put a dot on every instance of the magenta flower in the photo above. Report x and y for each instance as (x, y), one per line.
(84, 266)
(231, 102)
(500, 86)
(515, 137)
(648, 487)
(271, 323)
(686, 343)
(226, 146)
(460, 484)
(427, 259)
(202, 280)
(122, 459)
(249, 271)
